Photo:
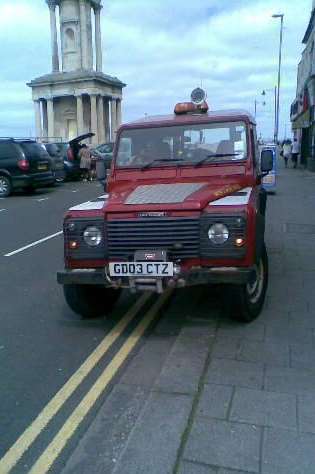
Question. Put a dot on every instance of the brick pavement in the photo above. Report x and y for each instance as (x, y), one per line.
(218, 396)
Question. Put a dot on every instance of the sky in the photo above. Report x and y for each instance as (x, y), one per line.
(162, 49)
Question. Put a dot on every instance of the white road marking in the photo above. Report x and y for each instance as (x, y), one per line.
(33, 244)
(2, 210)
(42, 199)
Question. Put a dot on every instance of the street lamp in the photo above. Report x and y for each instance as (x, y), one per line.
(279, 15)
(275, 106)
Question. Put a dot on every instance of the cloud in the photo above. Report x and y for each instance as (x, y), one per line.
(162, 49)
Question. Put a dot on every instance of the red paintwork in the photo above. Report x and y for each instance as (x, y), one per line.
(220, 180)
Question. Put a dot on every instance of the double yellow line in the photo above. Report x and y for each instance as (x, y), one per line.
(51, 453)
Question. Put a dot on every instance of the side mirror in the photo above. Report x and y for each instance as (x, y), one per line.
(266, 161)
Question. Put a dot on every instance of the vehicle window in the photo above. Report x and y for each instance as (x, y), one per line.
(52, 149)
(7, 150)
(33, 150)
(218, 142)
(105, 148)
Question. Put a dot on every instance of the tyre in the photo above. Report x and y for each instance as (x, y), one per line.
(246, 301)
(90, 301)
(5, 186)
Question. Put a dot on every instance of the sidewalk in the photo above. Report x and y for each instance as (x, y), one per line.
(204, 395)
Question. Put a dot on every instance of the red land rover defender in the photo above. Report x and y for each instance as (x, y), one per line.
(185, 206)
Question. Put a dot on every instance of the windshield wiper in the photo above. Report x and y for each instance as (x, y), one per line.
(214, 155)
(160, 160)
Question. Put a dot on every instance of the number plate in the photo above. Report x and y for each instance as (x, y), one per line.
(42, 167)
(148, 269)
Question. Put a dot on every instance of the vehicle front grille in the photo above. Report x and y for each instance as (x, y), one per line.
(179, 236)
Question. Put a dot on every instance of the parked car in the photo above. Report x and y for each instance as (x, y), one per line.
(56, 154)
(103, 155)
(24, 164)
(71, 158)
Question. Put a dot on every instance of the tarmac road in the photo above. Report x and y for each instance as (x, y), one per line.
(42, 343)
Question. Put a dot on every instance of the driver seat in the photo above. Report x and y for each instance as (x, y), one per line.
(225, 147)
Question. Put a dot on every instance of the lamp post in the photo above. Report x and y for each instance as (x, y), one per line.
(279, 15)
(274, 91)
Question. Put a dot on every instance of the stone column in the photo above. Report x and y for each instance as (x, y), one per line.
(100, 119)
(98, 38)
(38, 119)
(84, 37)
(107, 120)
(51, 118)
(53, 31)
(45, 118)
(118, 111)
(94, 128)
(80, 121)
(113, 120)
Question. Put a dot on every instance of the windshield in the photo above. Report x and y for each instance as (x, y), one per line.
(184, 144)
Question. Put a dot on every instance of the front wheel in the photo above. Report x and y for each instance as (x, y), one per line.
(246, 301)
(90, 301)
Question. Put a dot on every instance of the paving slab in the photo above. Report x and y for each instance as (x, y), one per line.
(268, 352)
(215, 401)
(234, 372)
(306, 413)
(287, 452)
(289, 380)
(184, 366)
(287, 332)
(153, 444)
(188, 467)
(254, 331)
(263, 408)
(138, 372)
(226, 347)
(303, 356)
(224, 444)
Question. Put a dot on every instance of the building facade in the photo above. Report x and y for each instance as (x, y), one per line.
(76, 97)
(303, 107)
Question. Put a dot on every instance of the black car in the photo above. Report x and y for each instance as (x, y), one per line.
(71, 156)
(24, 164)
(55, 151)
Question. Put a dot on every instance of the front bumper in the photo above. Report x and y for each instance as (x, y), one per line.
(196, 276)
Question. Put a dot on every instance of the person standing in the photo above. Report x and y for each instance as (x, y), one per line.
(85, 162)
(287, 150)
(295, 152)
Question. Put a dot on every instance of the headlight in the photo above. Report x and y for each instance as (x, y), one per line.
(92, 236)
(218, 234)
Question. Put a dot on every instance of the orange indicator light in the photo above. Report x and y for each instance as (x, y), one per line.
(73, 244)
(239, 242)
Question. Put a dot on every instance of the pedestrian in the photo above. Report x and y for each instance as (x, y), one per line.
(85, 162)
(287, 150)
(295, 152)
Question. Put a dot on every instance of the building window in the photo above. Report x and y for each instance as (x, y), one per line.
(69, 39)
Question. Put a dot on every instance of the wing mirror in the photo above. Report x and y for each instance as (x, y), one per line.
(266, 161)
